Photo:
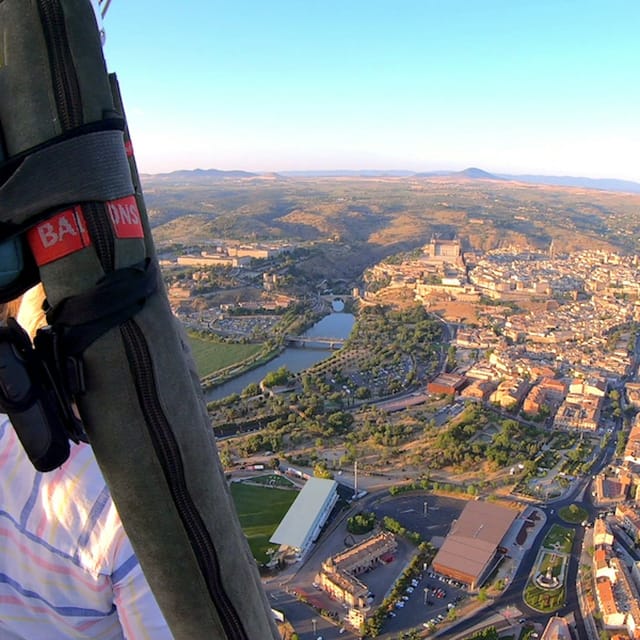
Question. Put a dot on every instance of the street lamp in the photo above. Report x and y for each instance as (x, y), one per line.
(313, 625)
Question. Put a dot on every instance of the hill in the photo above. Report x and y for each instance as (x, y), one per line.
(605, 184)
(472, 173)
(359, 220)
(197, 175)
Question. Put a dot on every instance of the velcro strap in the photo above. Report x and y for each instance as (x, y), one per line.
(90, 167)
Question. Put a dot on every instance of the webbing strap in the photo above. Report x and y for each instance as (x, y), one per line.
(91, 167)
(118, 296)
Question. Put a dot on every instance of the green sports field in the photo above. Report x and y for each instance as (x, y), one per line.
(211, 356)
(260, 510)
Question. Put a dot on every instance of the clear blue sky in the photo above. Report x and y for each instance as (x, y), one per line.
(513, 86)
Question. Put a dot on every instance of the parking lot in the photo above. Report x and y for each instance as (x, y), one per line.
(431, 516)
(432, 599)
(428, 601)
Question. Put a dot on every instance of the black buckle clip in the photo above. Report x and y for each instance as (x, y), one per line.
(40, 411)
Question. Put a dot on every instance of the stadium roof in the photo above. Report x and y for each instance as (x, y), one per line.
(474, 538)
(303, 513)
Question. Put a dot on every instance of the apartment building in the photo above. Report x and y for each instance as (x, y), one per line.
(338, 575)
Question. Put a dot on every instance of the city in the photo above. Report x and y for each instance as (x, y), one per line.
(534, 348)
(280, 360)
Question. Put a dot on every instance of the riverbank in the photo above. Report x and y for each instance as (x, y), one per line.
(237, 369)
(294, 359)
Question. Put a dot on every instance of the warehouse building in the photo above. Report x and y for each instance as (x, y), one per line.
(307, 515)
(447, 383)
(472, 549)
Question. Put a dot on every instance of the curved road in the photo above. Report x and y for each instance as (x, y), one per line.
(513, 594)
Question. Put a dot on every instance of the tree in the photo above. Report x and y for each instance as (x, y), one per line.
(340, 421)
(252, 389)
(225, 458)
(362, 393)
(361, 523)
(320, 470)
(451, 358)
(277, 378)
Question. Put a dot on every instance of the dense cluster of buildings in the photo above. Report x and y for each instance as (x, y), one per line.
(558, 362)
(232, 255)
(616, 575)
(616, 585)
(238, 257)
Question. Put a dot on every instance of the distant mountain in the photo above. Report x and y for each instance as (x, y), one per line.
(477, 174)
(198, 174)
(604, 184)
(472, 173)
(349, 173)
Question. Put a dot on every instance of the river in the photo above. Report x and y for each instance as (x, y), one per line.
(335, 325)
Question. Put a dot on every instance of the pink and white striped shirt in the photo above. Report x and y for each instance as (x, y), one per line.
(67, 569)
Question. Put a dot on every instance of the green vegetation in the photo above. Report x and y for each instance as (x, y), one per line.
(361, 523)
(509, 440)
(211, 356)
(277, 378)
(573, 514)
(319, 407)
(320, 470)
(542, 599)
(260, 511)
(490, 633)
(621, 441)
(552, 559)
(559, 538)
(389, 524)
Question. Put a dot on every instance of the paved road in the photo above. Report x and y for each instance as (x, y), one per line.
(410, 510)
(512, 595)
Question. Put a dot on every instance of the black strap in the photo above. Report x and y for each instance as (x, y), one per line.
(117, 296)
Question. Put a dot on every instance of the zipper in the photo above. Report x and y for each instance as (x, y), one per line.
(166, 449)
(66, 88)
(164, 441)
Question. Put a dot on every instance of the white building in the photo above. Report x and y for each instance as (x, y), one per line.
(307, 515)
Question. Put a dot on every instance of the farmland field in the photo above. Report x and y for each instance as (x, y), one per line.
(211, 356)
(260, 510)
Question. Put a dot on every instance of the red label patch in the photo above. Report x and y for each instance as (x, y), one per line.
(60, 235)
(128, 147)
(125, 218)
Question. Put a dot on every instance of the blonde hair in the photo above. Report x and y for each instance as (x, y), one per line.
(30, 313)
